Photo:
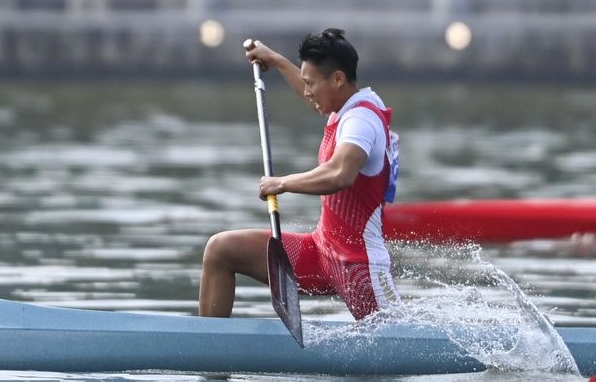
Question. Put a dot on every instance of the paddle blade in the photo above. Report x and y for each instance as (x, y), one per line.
(284, 290)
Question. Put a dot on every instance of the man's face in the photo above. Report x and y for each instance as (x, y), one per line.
(320, 91)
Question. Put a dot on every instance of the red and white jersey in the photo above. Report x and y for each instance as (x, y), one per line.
(350, 226)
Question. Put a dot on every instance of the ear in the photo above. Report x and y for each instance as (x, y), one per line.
(339, 78)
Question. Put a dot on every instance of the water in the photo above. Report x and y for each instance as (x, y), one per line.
(110, 191)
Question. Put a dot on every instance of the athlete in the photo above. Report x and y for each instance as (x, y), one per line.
(346, 253)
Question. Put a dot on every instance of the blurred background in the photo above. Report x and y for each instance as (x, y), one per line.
(546, 40)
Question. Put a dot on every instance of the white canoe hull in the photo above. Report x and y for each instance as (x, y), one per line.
(72, 340)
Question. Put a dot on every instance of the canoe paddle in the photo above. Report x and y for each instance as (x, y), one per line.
(282, 281)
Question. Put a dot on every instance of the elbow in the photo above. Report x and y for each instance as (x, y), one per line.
(341, 181)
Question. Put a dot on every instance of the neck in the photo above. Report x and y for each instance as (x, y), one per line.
(347, 94)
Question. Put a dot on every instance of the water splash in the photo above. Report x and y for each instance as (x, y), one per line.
(538, 342)
(480, 308)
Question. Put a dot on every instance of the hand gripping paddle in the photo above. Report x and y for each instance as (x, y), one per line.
(282, 281)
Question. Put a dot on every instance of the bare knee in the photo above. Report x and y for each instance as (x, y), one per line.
(214, 255)
(242, 251)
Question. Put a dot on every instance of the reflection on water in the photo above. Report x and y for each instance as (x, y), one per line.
(108, 195)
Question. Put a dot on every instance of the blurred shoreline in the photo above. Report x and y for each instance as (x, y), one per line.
(415, 40)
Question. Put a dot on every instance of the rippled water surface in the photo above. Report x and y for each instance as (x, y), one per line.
(110, 191)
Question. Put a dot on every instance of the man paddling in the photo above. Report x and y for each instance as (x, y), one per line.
(346, 253)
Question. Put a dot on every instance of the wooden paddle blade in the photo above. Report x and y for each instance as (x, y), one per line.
(284, 290)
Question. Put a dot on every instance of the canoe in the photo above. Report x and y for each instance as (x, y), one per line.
(490, 220)
(52, 339)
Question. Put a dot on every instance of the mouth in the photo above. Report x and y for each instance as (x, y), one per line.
(315, 104)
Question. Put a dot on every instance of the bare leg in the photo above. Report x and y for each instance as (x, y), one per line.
(226, 254)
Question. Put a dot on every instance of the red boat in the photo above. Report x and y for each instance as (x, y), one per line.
(490, 220)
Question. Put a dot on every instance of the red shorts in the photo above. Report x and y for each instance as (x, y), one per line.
(318, 272)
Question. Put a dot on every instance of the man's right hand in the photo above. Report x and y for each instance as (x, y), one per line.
(259, 52)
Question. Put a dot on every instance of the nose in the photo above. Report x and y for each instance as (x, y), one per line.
(307, 92)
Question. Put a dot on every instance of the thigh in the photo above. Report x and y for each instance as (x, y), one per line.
(304, 257)
(365, 288)
(353, 284)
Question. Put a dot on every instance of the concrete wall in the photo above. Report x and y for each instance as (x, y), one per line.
(522, 39)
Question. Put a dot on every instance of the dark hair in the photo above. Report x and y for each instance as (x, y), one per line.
(330, 51)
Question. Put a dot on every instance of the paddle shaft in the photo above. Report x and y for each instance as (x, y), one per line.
(266, 148)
